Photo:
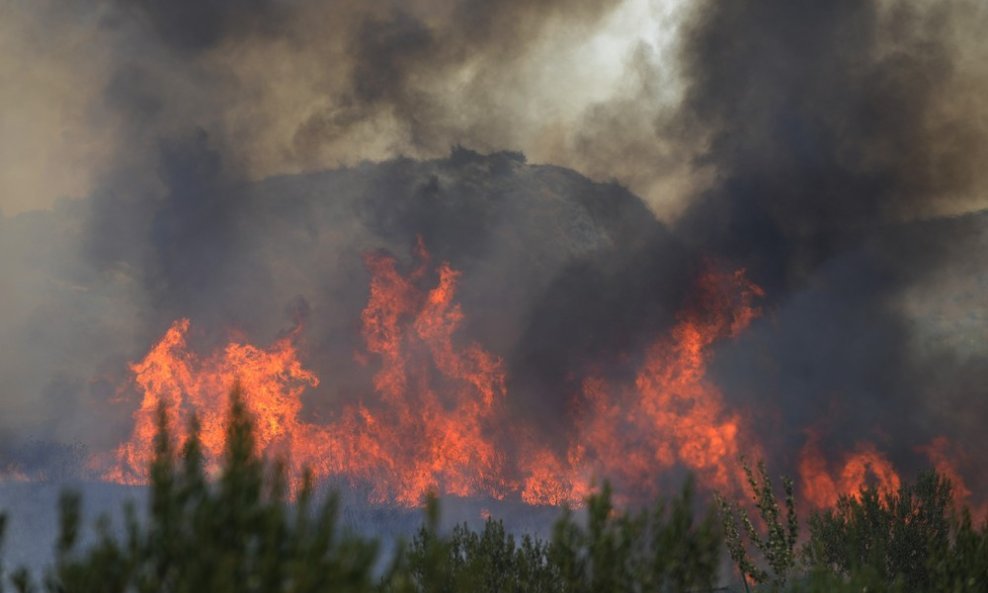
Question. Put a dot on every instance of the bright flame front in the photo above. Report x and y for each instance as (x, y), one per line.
(435, 416)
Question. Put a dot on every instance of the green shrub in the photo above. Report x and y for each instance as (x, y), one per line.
(777, 546)
(239, 531)
(913, 537)
(237, 534)
(662, 549)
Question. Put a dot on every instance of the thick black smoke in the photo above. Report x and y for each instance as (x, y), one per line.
(830, 126)
(825, 121)
(836, 147)
(191, 26)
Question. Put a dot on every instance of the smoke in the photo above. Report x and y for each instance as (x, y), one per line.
(283, 87)
(237, 158)
(833, 131)
(825, 122)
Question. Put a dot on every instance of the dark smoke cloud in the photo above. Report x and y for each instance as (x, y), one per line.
(191, 26)
(818, 144)
(399, 62)
(830, 124)
(825, 121)
(362, 79)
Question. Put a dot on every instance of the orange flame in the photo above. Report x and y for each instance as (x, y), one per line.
(429, 433)
(13, 474)
(432, 431)
(942, 456)
(434, 415)
(672, 415)
(172, 376)
(948, 459)
(866, 465)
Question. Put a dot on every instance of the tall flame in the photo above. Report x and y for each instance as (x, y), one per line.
(433, 417)
(672, 415)
(430, 429)
(865, 466)
(174, 377)
(426, 428)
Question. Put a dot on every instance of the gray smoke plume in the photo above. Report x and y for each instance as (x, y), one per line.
(241, 156)
(836, 130)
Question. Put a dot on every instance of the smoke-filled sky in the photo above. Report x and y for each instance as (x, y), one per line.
(619, 91)
(288, 86)
(216, 160)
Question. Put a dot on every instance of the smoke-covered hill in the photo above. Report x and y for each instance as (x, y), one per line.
(560, 276)
(556, 271)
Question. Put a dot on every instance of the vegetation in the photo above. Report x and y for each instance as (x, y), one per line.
(912, 540)
(778, 546)
(658, 549)
(240, 532)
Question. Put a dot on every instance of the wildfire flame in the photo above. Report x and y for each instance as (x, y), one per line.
(671, 415)
(431, 429)
(860, 468)
(433, 417)
(428, 429)
(175, 378)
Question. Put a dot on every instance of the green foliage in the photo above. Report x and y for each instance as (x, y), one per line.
(859, 581)
(659, 549)
(238, 531)
(963, 565)
(910, 541)
(910, 537)
(237, 534)
(777, 546)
